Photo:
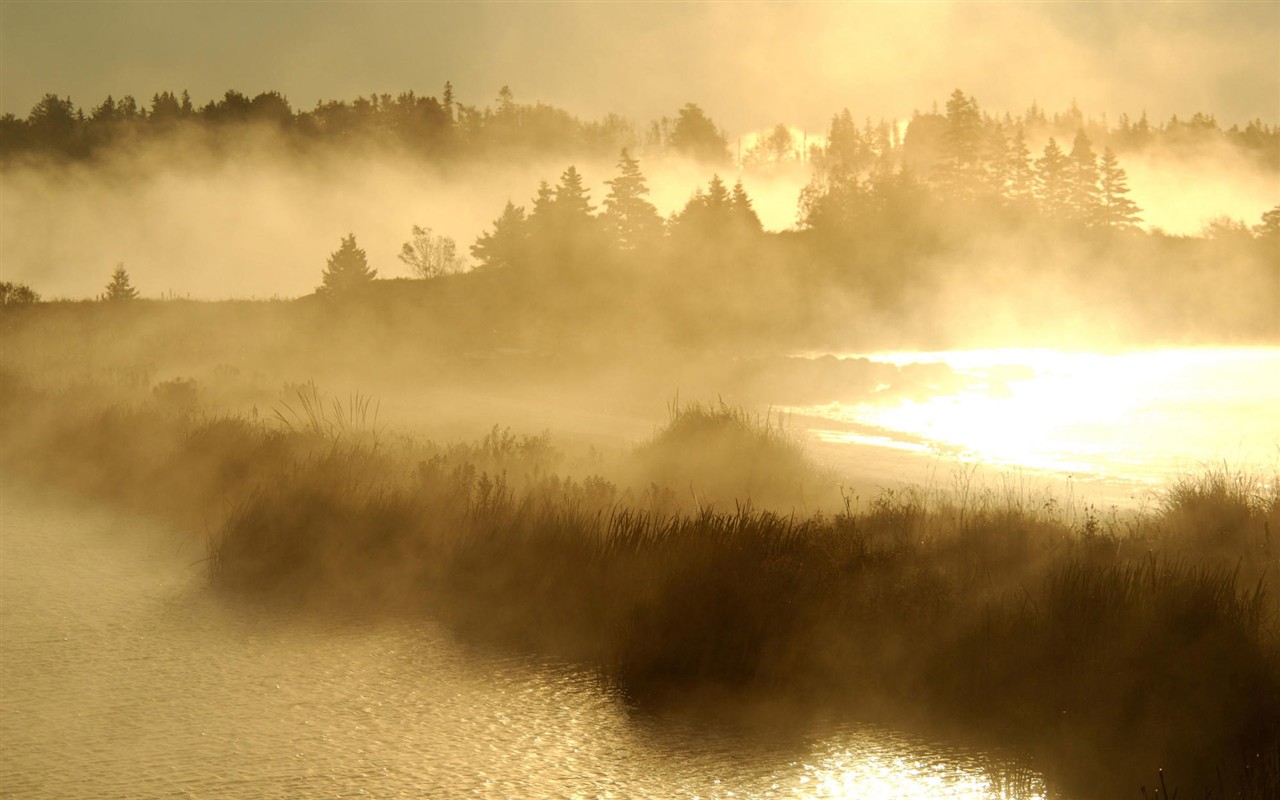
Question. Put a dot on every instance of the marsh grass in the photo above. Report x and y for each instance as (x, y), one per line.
(715, 455)
(1102, 646)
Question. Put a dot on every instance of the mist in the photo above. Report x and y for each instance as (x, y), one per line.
(797, 390)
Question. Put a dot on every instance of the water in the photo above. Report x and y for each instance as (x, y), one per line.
(123, 676)
(1130, 419)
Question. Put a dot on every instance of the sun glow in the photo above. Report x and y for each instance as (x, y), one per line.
(1138, 415)
(880, 774)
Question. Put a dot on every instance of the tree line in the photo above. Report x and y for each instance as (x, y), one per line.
(430, 126)
(441, 126)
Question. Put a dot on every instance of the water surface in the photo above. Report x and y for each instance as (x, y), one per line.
(1133, 419)
(123, 676)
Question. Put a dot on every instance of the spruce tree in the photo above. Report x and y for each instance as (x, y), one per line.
(629, 217)
(572, 200)
(1053, 181)
(1117, 210)
(119, 289)
(1021, 184)
(506, 245)
(743, 210)
(1084, 201)
(347, 271)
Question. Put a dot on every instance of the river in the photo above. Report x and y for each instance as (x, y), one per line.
(1119, 424)
(123, 675)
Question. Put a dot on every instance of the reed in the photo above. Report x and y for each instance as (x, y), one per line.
(1103, 647)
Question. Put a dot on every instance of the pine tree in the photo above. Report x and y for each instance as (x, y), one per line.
(506, 245)
(543, 204)
(572, 200)
(743, 210)
(629, 217)
(717, 197)
(1021, 184)
(960, 171)
(1117, 210)
(347, 271)
(997, 166)
(119, 289)
(1053, 181)
(1084, 203)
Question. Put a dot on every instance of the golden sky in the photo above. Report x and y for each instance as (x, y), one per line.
(749, 65)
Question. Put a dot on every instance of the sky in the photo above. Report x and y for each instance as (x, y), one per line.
(749, 65)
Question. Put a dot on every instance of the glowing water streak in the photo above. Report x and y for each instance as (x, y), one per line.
(1135, 415)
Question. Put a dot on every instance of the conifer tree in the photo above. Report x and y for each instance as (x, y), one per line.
(1021, 177)
(1084, 201)
(1053, 180)
(742, 208)
(960, 171)
(717, 196)
(629, 217)
(505, 246)
(1269, 229)
(572, 200)
(1117, 210)
(119, 289)
(347, 271)
(543, 204)
(447, 101)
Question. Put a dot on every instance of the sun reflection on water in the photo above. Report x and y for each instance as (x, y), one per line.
(1139, 415)
(845, 773)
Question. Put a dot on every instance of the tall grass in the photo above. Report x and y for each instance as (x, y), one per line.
(1105, 648)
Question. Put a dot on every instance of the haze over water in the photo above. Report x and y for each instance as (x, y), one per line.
(157, 689)
(1128, 419)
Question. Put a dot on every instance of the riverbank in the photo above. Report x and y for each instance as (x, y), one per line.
(1128, 643)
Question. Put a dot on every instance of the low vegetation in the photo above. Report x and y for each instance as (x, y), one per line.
(1106, 646)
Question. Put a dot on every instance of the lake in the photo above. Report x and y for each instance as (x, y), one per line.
(1122, 421)
(124, 676)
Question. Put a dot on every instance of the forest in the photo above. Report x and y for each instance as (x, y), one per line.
(904, 234)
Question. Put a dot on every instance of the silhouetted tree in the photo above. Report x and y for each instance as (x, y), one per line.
(430, 256)
(17, 294)
(1084, 203)
(1116, 209)
(717, 214)
(696, 136)
(846, 153)
(776, 148)
(1226, 228)
(347, 271)
(628, 216)
(164, 107)
(1020, 176)
(119, 289)
(1269, 229)
(959, 172)
(506, 102)
(1053, 180)
(742, 207)
(54, 123)
(572, 200)
(505, 245)
(447, 98)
